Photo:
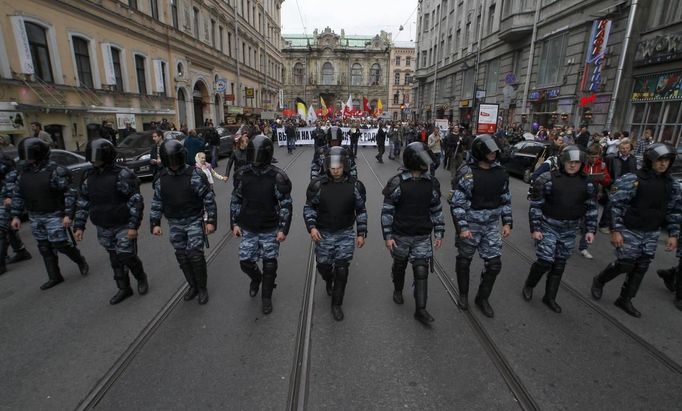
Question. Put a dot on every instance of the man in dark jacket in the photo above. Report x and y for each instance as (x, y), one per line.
(381, 143)
(583, 138)
(193, 144)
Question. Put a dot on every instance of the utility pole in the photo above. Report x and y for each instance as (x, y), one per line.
(526, 85)
(236, 47)
(435, 71)
(474, 117)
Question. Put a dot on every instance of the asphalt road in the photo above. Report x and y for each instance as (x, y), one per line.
(57, 346)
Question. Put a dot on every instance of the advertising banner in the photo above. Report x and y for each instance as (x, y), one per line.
(667, 86)
(487, 118)
(122, 119)
(11, 121)
(304, 136)
(596, 51)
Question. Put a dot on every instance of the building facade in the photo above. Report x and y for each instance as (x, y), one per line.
(71, 64)
(332, 66)
(401, 69)
(545, 61)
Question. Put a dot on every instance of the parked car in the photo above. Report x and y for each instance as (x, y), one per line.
(133, 151)
(74, 162)
(522, 158)
(227, 136)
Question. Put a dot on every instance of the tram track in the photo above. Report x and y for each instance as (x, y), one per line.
(102, 387)
(518, 389)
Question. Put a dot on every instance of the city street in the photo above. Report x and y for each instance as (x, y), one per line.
(67, 348)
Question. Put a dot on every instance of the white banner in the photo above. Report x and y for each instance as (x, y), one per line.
(11, 121)
(109, 73)
(122, 119)
(159, 87)
(23, 47)
(304, 136)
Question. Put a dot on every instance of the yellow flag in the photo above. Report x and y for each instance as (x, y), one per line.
(324, 107)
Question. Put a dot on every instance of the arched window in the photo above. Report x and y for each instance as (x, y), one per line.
(298, 74)
(375, 75)
(40, 54)
(81, 52)
(356, 75)
(327, 74)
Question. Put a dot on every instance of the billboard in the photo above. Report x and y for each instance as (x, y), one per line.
(487, 118)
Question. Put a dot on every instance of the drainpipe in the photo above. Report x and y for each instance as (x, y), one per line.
(435, 72)
(526, 85)
(236, 47)
(621, 64)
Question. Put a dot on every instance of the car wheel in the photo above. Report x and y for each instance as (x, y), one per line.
(527, 173)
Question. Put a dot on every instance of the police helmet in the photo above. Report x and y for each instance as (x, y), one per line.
(260, 150)
(658, 151)
(33, 150)
(417, 156)
(173, 154)
(482, 146)
(100, 152)
(572, 153)
(337, 156)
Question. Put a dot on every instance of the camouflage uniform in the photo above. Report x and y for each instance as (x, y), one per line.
(330, 206)
(411, 230)
(186, 225)
(639, 244)
(112, 235)
(46, 225)
(261, 206)
(479, 211)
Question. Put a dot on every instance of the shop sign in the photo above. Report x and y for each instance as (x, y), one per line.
(539, 95)
(463, 103)
(667, 86)
(235, 110)
(122, 119)
(249, 92)
(663, 48)
(229, 97)
(596, 51)
(510, 78)
(220, 85)
(487, 118)
(11, 121)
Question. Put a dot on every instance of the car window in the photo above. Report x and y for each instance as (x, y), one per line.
(137, 140)
(518, 146)
(64, 159)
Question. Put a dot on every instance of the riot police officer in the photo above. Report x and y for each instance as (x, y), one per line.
(8, 179)
(333, 202)
(110, 195)
(641, 203)
(45, 190)
(479, 199)
(317, 166)
(184, 196)
(410, 212)
(559, 199)
(260, 213)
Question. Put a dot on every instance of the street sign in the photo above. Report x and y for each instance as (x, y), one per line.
(220, 86)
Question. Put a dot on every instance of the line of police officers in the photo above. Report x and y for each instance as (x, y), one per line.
(411, 218)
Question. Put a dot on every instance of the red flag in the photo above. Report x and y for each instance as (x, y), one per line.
(365, 105)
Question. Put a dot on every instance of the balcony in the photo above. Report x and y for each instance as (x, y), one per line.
(516, 25)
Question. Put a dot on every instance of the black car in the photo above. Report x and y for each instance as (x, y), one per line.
(523, 157)
(74, 162)
(227, 135)
(133, 151)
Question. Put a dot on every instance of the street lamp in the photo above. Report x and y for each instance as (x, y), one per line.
(587, 116)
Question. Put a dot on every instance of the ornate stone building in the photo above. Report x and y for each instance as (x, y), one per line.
(73, 63)
(400, 83)
(333, 66)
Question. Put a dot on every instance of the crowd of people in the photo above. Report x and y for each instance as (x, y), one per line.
(572, 177)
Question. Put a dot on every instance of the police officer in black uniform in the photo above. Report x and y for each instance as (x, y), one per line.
(45, 190)
(110, 194)
(319, 136)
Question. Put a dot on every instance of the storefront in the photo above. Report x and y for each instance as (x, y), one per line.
(233, 114)
(656, 105)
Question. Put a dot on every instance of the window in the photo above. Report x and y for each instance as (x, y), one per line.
(213, 42)
(468, 84)
(458, 34)
(375, 75)
(396, 78)
(662, 119)
(132, 4)
(408, 61)
(356, 75)
(116, 59)
(81, 52)
(397, 60)
(551, 60)
(220, 36)
(492, 76)
(141, 74)
(327, 74)
(163, 78)
(196, 22)
(664, 12)
(466, 35)
(243, 53)
(174, 12)
(396, 98)
(40, 54)
(491, 18)
(423, 58)
(154, 7)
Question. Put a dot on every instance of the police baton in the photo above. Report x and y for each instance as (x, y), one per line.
(71, 236)
(203, 231)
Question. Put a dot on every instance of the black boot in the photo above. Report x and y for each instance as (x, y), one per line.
(668, 277)
(398, 274)
(198, 261)
(20, 255)
(269, 275)
(51, 265)
(133, 262)
(462, 267)
(552, 285)
(123, 284)
(421, 283)
(611, 271)
(629, 289)
(74, 255)
(537, 270)
(20, 251)
(488, 276)
(186, 267)
(340, 281)
(327, 274)
(251, 269)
